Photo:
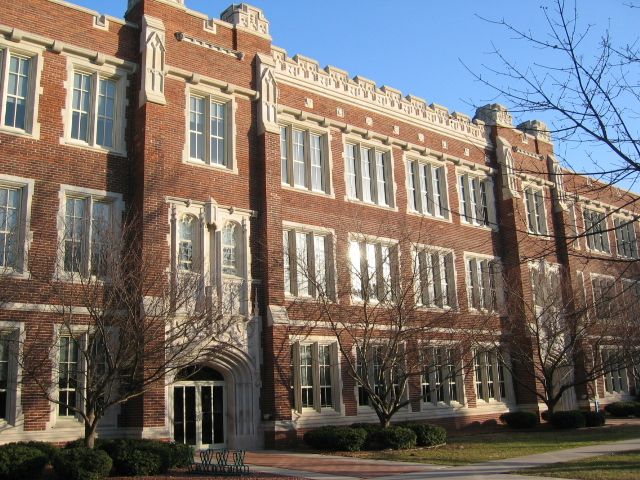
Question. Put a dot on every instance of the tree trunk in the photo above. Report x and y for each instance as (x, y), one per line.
(90, 428)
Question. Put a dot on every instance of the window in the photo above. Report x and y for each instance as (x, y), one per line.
(304, 159)
(604, 294)
(9, 372)
(68, 376)
(373, 267)
(231, 251)
(490, 376)
(368, 175)
(315, 376)
(441, 378)
(210, 130)
(15, 202)
(19, 76)
(626, 238)
(427, 189)
(88, 232)
(615, 374)
(96, 107)
(4, 375)
(435, 275)
(536, 215)
(380, 368)
(476, 200)
(483, 284)
(188, 243)
(595, 227)
(308, 265)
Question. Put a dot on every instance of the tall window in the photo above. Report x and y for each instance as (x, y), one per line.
(231, 240)
(604, 296)
(308, 269)
(483, 283)
(187, 243)
(536, 216)
(373, 266)
(368, 175)
(427, 189)
(209, 138)
(476, 200)
(315, 367)
(68, 376)
(435, 275)
(16, 85)
(490, 376)
(10, 212)
(441, 378)
(380, 369)
(304, 159)
(626, 238)
(615, 376)
(4, 375)
(88, 230)
(96, 111)
(595, 227)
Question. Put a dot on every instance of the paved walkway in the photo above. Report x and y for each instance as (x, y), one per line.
(321, 467)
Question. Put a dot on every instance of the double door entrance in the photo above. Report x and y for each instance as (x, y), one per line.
(199, 410)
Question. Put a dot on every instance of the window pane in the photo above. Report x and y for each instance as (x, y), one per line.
(317, 180)
(286, 262)
(356, 276)
(352, 183)
(196, 127)
(100, 238)
(299, 174)
(9, 226)
(4, 374)
(320, 263)
(381, 178)
(306, 375)
(106, 113)
(324, 361)
(284, 154)
(186, 239)
(230, 244)
(74, 234)
(302, 263)
(67, 375)
(17, 92)
(80, 106)
(367, 174)
(411, 185)
(217, 134)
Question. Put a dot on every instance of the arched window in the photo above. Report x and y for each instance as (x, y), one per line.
(231, 250)
(187, 243)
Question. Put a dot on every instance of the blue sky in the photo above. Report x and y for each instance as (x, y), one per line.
(415, 46)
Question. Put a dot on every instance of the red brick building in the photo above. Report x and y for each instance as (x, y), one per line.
(245, 157)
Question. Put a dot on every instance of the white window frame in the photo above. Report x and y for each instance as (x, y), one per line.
(89, 196)
(497, 397)
(97, 72)
(229, 102)
(390, 185)
(465, 199)
(335, 371)
(362, 408)
(378, 270)
(611, 293)
(293, 268)
(482, 287)
(35, 54)
(535, 210)
(325, 153)
(437, 379)
(618, 384)
(25, 236)
(425, 280)
(625, 227)
(415, 193)
(602, 231)
(15, 330)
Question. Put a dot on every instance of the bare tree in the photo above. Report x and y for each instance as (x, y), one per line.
(392, 308)
(122, 324)
(558, 341)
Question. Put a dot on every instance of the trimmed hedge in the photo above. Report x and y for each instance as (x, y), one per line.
(623, 409)
(396, 438)
(21, 462)
(427, 435)
(570, 419)
(336, 438)
(594, 419)
(518, 420)
(82, 463)
(48, 449)
(133, 457)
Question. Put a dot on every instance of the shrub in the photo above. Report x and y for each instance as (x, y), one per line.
(594, 419)
(396, 438)
(622, 409)
(48, 449)
(570, 419)
(139, 456)
(181, 455)
(427, 435)
(519, 419)
(19, 462)
(336, 438)
(82, 463)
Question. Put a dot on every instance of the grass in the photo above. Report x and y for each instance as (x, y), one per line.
(463, 450)
(616, 466)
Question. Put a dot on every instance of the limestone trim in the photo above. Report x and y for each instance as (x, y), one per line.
(94, 13)
(183, 37)
(197, 79)
(334, 83)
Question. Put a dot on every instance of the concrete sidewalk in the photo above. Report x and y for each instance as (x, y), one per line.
(312, 466)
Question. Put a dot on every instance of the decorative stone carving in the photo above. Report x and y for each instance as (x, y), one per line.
(558, 192)
(536, 128)
(495, 114)
(421, 137)
(308, 102)
(505, 160)
(100, 21)
(152, 44)
(248, 17)
(268, 87)
(368, 121)
(340, 112)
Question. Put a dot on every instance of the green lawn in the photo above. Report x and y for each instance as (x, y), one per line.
(617, 466)
(465, 449)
